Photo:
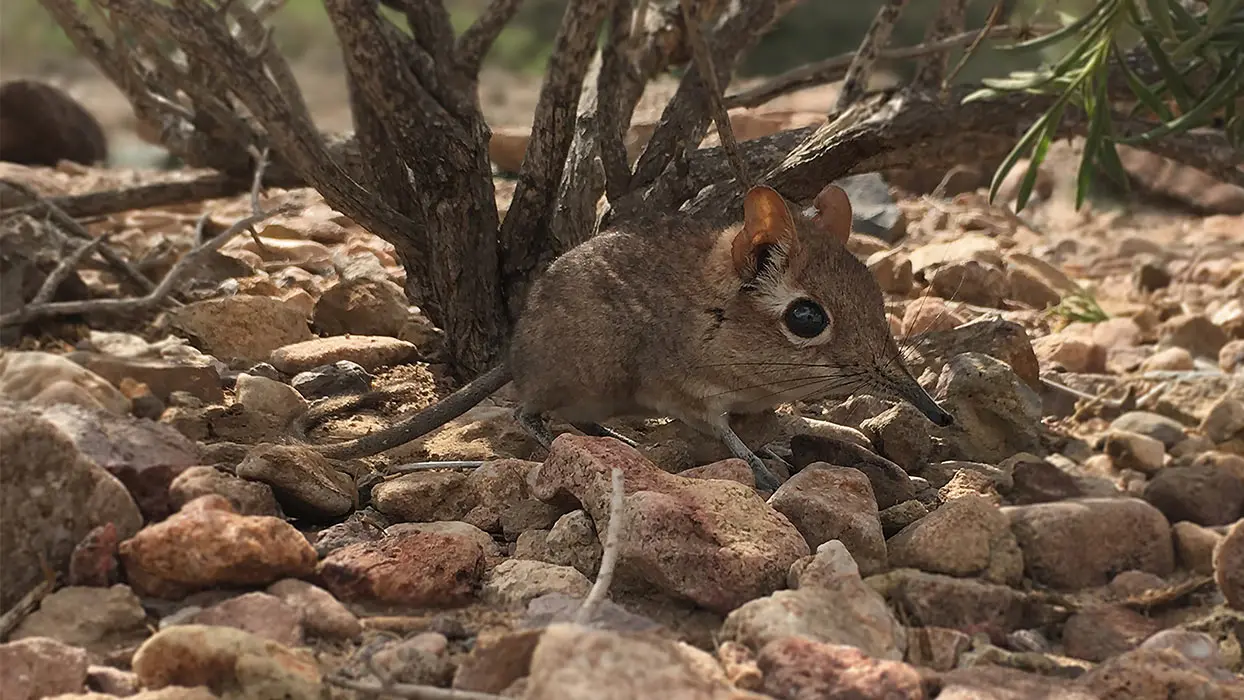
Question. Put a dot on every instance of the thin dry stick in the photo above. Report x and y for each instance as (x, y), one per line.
(28, 603)
(609, 559)
(704, 64)
(62, 270)
(990, 26)
(407, 690)
(187, 263)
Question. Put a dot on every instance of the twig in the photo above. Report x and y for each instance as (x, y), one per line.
(63, 268)
(991, 24)
(875, 40)
(609, 558)
(407, 690)
(187, 263)
(931, 69)
(23, 607)
(704, 63)
(478, 38)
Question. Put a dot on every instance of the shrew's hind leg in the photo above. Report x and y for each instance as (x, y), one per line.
(765, 480)
(533, 424)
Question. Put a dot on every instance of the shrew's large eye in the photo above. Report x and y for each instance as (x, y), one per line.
(806, 319)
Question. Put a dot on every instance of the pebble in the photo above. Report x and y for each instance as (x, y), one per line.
(420, 660)
(929, 315)
(341, 377)
(996, 413)
(795, 667)
(420, 569)
(516, 582)
(196, 375)
(1229, 566)
(899, 516)
(1158, 674)
(1070, 353)
(829, 562)
(970, 282)
(826, 503)
(1159, 427)
(96, 619)
(1203, 494)
(937, 648)
(43, 378)
(1197, 647)
(227, 659)
(361, 306)
(246, 497)
(1194, 547)
(892, 270)
(455, 528)
(572, 541)
(901, 435)
(1195, 333)
(891, 485)
(1100, 632)
(1128, 534)
(370, 352)
(1225, 420)
(1129, 450)
(39, 667)
(321, 614)
(711, 541)
(1231, 356)
(206, 544)
(353, 531)
(938, 600)
(242, 326)
(305, 482)
(1168, 360)
(967, 536)
(263, 615)
(269, 397)
(52, 497)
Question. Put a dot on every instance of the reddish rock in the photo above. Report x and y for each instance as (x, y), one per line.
(94, 560)
(1100, 632)
(796, 667)
(732, 469)
(206, 544)
(1229, 566)
(1159, 674)
(260, 614)
(39, 667)
(423, 569)
(827, 503)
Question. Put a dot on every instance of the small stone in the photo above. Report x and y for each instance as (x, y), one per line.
(971, 282)
(38, 667)
(206, 544)
(1203, 494)
(1158, 674)
(367, 351)
(113, 681)
(1133, 583)
(740, 666)
(449, 527)
(1168, 360)
(1231, 356)
(1229, 566)
(1130, 534)
(421, 660)
(353, 531)
(1197, 647)
(424, 497)
(572, 541)
(97, 619)
(1195, 333)
(362, 306)
(957, 603)
(322, 615)
(732, 469)
(421, 569)
(1151, 276)
(830, 561)
(304, 481)
(937, 648)
(968, 536)
(273, 398)
(193, 374)
(1135, 451)
(1170, 432)
(246, 497)
(263, 615)
(1070, 353)
(226, 660)
(342, 377)
(899, 516)
(826, 503)
(1225, 420)
(1194, 547)
(241, 326)
(494, 489)
(1028, 287)
(1101, 632)
(515, 582)
(1117, 332)
(803, 668)
(94, 560)
(892, 270)
(996, 413)
(891, 485)
(929, 315)
(901, 435)
(1037, 481)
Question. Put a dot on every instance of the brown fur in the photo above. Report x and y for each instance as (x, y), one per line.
(41, 124)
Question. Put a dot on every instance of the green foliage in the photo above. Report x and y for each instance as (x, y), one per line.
(1079, 306)
(1185, 48)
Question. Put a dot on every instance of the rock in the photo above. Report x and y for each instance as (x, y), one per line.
(230, 662)
(1070, 353)
(1128, 532)
(827, 503)
(361, 306)
(998, 338)
(1100, 632)
(495, 489)
(1198, 647)
(356, 529)
(901, 435)
(367, 351)
(241, 326)
(1158, 674)
(971, 282)
(711, 541)
(1229, 566)
(97, 619)
(1193, 332)
(421, 569)
(263, 615)
(1129, 450)
(1129, 584)
(1194, 547)
(423, 497)
(968, 536)
(988, 682)
(937, 600)
(454, 528)
(1159, 427)
(929, 315)
(795, 667)
(515, 582)
(44, 125)
(937, 648)
(114, 681)
(246, 497)
(892, 270)
(845, 611)
(873, 209)
(572, 541)
(831, 561)
(94, 560)
(889, 482)
(144, 455)
(1231, 356)
(44, 379)
(558, 607)
(51, 497)
(897, 517)
(206, 544)
(996, 413)
(304, 481)
(422, 659)
(197, 377)
(969, 246)
(732, 469)
(1035, 480)
(273, 398)
(342, 377)
(321, 614)
(1168, 360)
(38, 667)
(1150, 276)
(1203, 494)
(571, 661)
(1225, 420)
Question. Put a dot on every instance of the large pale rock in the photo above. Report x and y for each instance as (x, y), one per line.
(367, 351)
(958, 603)
(996, 414)
(97, 619)
(516, 582)
(39, 667)
(228, 661)
(241, 326)
(304, 481)
(1229, 566)
(43, 378)
(712, 541)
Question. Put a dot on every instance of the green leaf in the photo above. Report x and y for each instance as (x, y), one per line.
(1143, 92)
(1160, 15)
(981, 94)
(1025, 143)
(1174, 81)
(1046, 40)
(1224, 88)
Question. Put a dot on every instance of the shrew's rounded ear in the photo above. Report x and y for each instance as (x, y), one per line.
(767, 221)
(833, 212)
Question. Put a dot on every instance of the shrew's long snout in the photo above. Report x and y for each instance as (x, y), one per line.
(907, 388)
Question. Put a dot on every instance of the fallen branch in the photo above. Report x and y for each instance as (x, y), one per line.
(160, 293)
(28, 603)
(62, 270)
(609, 557)
(407, 690)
